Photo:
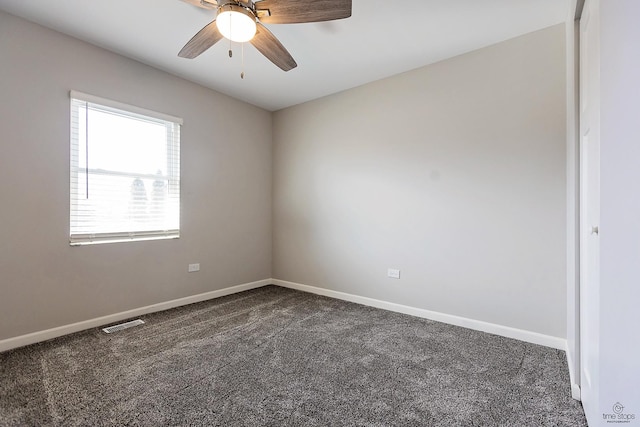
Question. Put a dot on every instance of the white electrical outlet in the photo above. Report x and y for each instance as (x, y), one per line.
(194, 267)
(393, 273)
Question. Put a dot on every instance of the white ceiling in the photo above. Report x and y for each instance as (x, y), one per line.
(381, 39)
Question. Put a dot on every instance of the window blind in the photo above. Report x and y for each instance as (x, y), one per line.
(125, 172)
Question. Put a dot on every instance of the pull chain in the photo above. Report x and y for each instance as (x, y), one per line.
(242, 54)
(230, 51)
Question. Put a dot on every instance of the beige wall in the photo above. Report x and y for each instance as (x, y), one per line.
(453, 173)
(226, 187)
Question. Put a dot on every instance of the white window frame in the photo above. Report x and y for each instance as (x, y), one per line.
(173, 174)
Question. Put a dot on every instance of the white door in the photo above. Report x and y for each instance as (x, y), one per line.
(589, 207)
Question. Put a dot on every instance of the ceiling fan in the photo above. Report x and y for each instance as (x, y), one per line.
(241, 21)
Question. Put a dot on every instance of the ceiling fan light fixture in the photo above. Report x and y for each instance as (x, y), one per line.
(236, 23)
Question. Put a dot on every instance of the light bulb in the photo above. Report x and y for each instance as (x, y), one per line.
(236, 23)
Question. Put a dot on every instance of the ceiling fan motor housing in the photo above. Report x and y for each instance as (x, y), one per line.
(249, 5)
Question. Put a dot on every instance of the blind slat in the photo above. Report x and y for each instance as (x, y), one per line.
(82, 239)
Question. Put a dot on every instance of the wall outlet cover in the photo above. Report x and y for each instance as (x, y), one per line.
(393, 273)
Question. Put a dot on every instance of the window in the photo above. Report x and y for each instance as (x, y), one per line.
(125, 172)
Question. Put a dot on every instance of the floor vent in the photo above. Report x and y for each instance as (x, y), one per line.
(126, 325)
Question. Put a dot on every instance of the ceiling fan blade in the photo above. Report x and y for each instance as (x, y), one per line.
(207, 4)
(270, 46)
(206, 37)
(299, 11)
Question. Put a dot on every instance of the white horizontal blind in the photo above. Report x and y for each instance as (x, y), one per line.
(125, 172)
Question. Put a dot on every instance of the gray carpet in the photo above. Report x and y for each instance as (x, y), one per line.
(278, 357)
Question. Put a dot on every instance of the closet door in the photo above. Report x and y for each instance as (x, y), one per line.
(589, 208)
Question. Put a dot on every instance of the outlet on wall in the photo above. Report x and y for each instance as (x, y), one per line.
(194, 267)
(393, 273)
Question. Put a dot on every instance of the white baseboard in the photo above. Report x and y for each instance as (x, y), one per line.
(505, 331)
(575, 391)
(575, 388)
(48, 334)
